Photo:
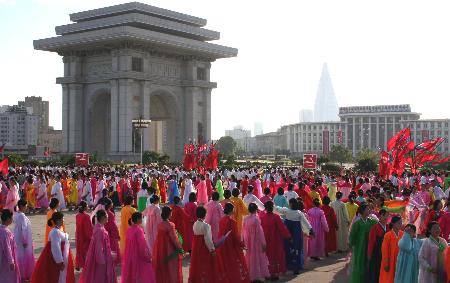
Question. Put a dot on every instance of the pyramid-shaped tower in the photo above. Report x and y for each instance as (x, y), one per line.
(325, 106)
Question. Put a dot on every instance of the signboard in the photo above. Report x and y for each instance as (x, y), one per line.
(310, 161)
(82, 159)
(326, 142)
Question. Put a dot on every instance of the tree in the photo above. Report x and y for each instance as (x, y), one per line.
(15, 159)
(150, 157)
(367, 160)
(226, 145)
(323, 159)
(340, 154)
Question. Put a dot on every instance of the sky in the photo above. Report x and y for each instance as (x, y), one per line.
(378, 52)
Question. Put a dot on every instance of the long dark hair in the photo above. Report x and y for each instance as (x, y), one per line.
(429, 227)
(55, 217)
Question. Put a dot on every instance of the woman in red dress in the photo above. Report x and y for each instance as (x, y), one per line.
(190, 209)
(231, 252)
(83, 234)
(204, 266)
(330, 216)
(167, 251)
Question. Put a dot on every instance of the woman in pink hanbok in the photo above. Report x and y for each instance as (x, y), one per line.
(99, 266)
(42, 199)
(24, 241)
(9, 271)
(316, 245)
(13, 194)
(253, 235)
(214, 212)
(137, 261)
(153, 217)
(202, 194)
(431, 256)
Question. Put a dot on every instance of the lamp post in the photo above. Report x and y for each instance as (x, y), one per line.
(141, 124)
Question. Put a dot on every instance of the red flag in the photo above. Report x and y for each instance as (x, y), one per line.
(443, 160)
(428, 157)
(400, 137)
(4, 166)
(429, 145)
(47, 152)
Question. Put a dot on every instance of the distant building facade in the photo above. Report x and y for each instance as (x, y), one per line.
(422, 130)
(18, 127)
(241, 136)
(372, 126)
(268, 143)
(314, 137)
(39, 108)
(361, 127)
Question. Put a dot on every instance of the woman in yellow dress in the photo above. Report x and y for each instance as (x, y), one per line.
(30, 193)
(73, 191)
(125, 216)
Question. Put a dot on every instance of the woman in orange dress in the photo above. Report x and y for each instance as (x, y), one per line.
(390, 250)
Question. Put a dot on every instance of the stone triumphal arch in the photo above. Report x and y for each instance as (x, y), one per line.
(133, 61)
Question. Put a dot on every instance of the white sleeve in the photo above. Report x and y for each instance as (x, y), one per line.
(55, 241)
(281, 210)
(258, 203)
(306, 226)
(208, 238)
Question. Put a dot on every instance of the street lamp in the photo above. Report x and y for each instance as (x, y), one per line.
(141, 124)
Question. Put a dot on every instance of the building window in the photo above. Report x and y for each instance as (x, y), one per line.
(201, 74)
(137, 64)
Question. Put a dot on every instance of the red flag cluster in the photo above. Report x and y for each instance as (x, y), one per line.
(200, 156)
(401, 150)
(4, 166)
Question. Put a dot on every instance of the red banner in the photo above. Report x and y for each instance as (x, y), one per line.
(82, 159)
(310, 161)
(425, 135)
(326, 142)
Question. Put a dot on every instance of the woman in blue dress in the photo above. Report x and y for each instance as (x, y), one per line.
(407, 269)
(297, 224)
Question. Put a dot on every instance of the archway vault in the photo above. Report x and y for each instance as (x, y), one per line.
(99, 123)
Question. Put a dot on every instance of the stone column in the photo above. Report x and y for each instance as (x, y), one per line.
(114, 148)
(75, 117)
(354, 138)
(207, 114)
(125, 116)
(65, 118)
(190, 117)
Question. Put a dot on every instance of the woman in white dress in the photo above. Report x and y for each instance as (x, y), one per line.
(55, 264)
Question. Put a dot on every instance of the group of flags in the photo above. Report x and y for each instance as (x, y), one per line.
(402, 151)
(200, 156)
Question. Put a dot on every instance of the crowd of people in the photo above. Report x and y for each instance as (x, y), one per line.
(234, 225)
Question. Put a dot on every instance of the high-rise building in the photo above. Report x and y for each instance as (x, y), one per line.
(259, 130)
(39, 108)
(306, 115)
(325, 106)
(18, 127)
(238, 132)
